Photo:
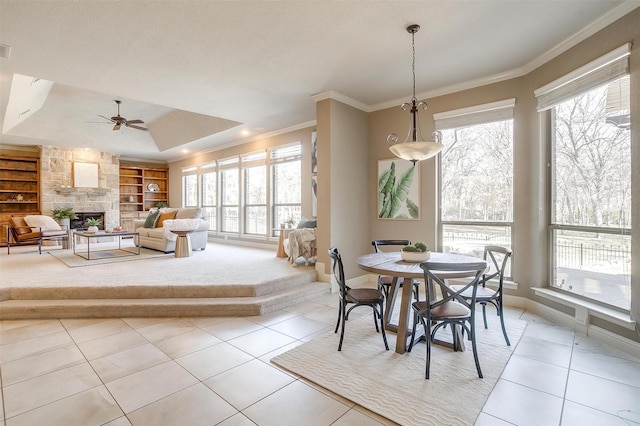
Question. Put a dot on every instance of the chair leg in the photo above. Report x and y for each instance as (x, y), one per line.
(384, 335)
(484, 314)
(342, 329)
(339, 317)
(472, 332)
(413, 330)
(427, 334)
(504, 329)
(375, 318)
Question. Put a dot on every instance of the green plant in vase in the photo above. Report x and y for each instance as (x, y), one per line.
(63, 216)
(93, 224)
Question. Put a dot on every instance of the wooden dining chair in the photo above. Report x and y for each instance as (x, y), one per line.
(384, 281)
(356, 297)
(499, 257)
(451, 309)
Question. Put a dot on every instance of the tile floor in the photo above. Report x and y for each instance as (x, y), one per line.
(216, 371)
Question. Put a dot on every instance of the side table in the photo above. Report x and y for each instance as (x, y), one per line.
(284, 232)
(183, 243)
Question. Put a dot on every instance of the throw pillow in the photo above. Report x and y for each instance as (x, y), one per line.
(307, 223)
(150, 221)
(189, 213)
(163, 217)
(46, 223)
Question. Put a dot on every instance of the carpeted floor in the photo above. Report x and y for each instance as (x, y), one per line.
(104, 256)
(218, 264)
(393, 385)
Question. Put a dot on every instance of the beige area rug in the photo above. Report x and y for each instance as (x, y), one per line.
(393, 385)
(102, 257)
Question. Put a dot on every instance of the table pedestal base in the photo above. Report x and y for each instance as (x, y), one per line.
(183, 246)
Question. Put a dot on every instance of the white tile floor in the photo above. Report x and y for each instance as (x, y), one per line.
(207, 371)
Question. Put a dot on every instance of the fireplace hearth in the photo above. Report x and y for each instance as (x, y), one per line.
(80, 223)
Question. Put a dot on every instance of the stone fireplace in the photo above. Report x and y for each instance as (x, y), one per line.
(56, 183)
(81, 222)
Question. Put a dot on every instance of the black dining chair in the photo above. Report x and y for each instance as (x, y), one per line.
(451, 309)
(497, 257)
(384, 281)
(357, 297)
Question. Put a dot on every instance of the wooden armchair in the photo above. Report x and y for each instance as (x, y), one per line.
(19, 233)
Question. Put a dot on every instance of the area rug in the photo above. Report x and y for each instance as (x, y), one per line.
(102, 257)
(393, 385)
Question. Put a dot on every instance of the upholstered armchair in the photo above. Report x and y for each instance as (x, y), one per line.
(34, 229)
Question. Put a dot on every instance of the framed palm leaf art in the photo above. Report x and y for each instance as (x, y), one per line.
(398, 190)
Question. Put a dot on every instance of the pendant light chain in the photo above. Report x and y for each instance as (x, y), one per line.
(413, 63)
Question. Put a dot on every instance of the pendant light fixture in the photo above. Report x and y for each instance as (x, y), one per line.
(414, 148)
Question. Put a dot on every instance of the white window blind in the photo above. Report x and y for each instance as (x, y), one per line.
(478, 114)
(597, 72)
(286, 153)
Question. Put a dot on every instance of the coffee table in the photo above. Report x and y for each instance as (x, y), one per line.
(113, 252)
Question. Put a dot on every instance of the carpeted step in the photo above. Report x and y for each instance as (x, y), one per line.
(172, 306)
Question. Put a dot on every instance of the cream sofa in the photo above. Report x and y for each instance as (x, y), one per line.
(161, 238)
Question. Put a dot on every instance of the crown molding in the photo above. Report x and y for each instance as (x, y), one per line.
(332, 94)
(586, 32)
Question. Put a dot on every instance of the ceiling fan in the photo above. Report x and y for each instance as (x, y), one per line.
(119, 121)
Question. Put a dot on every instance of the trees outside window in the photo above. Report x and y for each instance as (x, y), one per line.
(286, 183)
(208, 194)
(229, 195)
(251, 194)
(476, 194)
(254, 172)
(591, 189)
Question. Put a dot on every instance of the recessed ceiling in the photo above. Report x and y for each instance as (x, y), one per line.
(200, 73)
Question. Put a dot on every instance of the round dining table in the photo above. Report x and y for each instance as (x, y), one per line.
(391, 264)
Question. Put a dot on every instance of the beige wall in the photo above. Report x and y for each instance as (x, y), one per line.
(350, 143)
(348, 199)
(530, 158)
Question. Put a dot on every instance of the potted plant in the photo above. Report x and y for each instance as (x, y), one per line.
(93, 224)
(63, 215)
(418, 252)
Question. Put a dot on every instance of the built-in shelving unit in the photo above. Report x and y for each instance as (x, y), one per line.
(19, 185)
(141, 188)
(19, 189)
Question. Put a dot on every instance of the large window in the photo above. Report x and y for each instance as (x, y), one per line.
(476, 193)
(229, 195)
(254, 172)
(286, 176)
(591, 182)
(208, 194)
(189, 187)
(250, 194)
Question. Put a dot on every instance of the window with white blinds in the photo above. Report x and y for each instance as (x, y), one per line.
(606, 68)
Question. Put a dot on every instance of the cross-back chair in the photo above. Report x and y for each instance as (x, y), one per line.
(450, 309)
(384, 281)
(497, 257)
(356, 297)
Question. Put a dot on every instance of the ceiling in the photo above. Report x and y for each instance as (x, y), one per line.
(198, 73)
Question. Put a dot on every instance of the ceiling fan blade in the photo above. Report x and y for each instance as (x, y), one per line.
(135, 121)
(135, 127)
(116, 127)
(106, 118)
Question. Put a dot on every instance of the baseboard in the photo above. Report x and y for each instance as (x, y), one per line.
(565, 320)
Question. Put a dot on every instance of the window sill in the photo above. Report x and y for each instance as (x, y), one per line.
(584, 308)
